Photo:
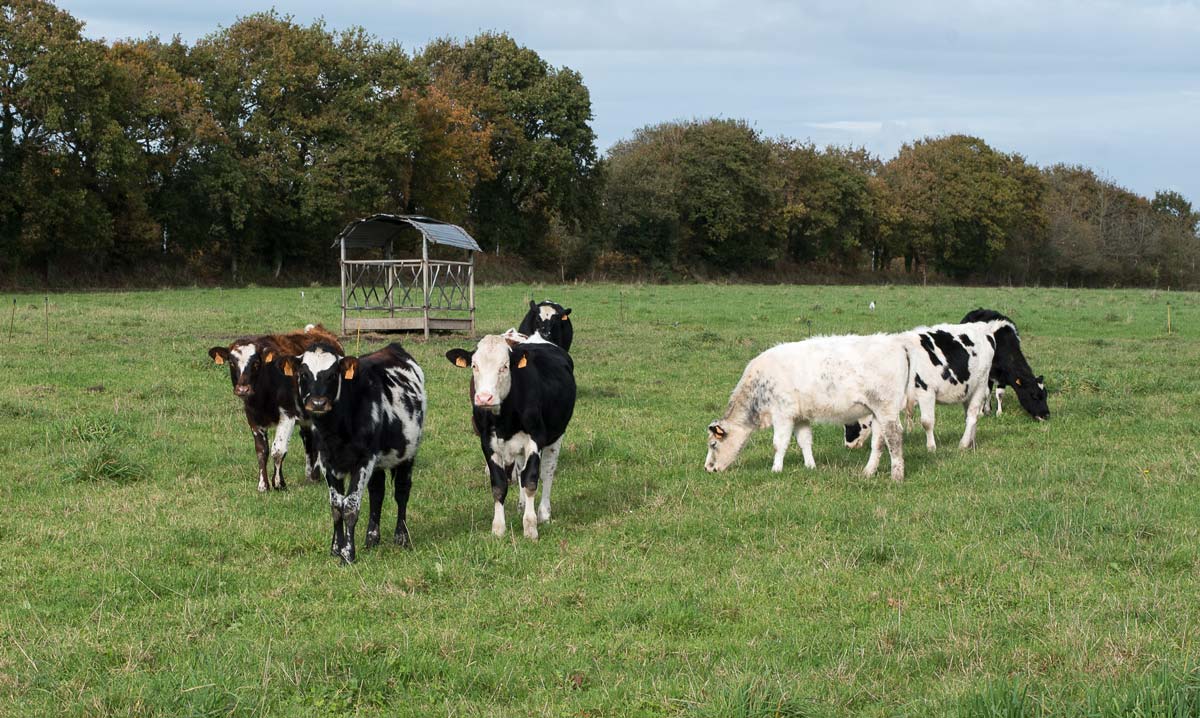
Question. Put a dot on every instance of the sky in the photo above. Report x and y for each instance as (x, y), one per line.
(1110, 84)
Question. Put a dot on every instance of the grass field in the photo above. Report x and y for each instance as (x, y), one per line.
(1054, 570)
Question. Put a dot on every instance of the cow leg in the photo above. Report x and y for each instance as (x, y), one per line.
(529, 483)
(972, 406)
(337, 490)
(499, 476)
(351, 503)
(893, 435)
(279, 447)
(549, 465)
(375, 490)
(402, 478)
(311, 471)
(804, 439)
(783, 437)
(260, 449)
(876, 448)
(909, 423)
(928, 416)
(999, 400)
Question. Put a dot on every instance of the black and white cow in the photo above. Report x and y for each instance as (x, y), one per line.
(950, 364)
(1010, 368)
(524, 398)
(551, 321)
(367, 415)
(267, 396)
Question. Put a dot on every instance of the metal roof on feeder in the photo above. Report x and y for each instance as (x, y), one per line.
(377, 230)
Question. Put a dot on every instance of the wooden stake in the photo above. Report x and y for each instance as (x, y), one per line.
(46, 299)
(13, 320)
(1168, 317)
(358, 342)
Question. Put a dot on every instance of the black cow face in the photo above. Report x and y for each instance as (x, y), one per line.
(550, 319)
(245, 361)
(1032, 395)
(319, 374)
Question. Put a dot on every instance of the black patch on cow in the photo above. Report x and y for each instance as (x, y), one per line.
(966, 340)
(992, 342)
(956, 356)
(927, 345)
(918, 382)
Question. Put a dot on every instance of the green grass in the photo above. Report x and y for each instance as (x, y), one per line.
(1053, 571)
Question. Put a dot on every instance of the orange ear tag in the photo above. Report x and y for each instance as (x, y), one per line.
(460, 363)
(219, 359)
(524, 360)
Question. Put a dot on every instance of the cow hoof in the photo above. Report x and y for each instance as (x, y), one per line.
(372, 539)
(869, 471)
(262, 487)
(543, 515)
(281, 486)
(498, 529)
(347, 556)
(402, 541)
(531, 531)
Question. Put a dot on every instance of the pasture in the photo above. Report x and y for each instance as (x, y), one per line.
(1053, 570)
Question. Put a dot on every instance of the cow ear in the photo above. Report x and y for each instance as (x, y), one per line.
(349, 366)
(533, 305)
(565, 313)
(524, 361)
(460, 358)
(717, 430)
(219, 355)
(288, 365)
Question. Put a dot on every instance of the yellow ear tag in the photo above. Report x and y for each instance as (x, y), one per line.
(1018, 382)
(287, 369)
(460, 363)
(269, 357)
(566, 318)
(524, 360)
(219, 359)
(349, 374)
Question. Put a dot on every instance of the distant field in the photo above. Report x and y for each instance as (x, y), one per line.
(1054, 570)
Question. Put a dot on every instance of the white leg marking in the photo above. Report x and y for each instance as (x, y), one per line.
(546, 477)
(999, 400)
(894, 436)
(804, 439)
(783, 437)
(529, 520)
(279, 447)
(928, 418)
(876, 440)
(498, 523)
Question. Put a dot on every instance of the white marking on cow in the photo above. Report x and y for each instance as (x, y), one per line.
(546, 312)
(242, 354)
(318, 360)
(498, 524)
(490, 365)
(279, 446)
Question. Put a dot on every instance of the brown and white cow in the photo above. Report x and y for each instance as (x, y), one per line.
(268, 397)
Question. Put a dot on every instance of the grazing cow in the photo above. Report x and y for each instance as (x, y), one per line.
(950, 365)
(267, 395)
(523, 400)
(1010, 368)
(367, 413)
(551, 321)
(823, 379)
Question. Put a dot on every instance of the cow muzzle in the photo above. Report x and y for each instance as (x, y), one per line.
(243, 390)
(486, 400)
(317, 405)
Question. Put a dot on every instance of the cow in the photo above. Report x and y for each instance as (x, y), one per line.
(1010, 368)
(367, 416)
(831, 379)
(523, 400)
(950, 365)
(267, 397)
(551, 321)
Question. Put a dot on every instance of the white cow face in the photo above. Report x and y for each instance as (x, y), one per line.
(725, 442)
(490, 370)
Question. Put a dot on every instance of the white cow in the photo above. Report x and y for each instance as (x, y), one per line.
(824, 380)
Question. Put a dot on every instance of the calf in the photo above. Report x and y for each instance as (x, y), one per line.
(523, 400)
(823, 379)
(551, 321)
(950, 365)
(367, 413)
(1010, 368)
(267, 395)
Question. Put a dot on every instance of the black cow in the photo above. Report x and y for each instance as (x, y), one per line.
(551, 321)
(367, 415)
(1010, 368)
(267, 395)
(524, 398)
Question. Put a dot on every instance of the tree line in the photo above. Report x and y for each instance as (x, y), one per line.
(240, 156)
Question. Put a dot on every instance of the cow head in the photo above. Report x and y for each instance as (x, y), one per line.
(319, 374)
(1031, 392)
(857, 434)
(492, 364)
(725, 441)
(245, 359)
(550, 320)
